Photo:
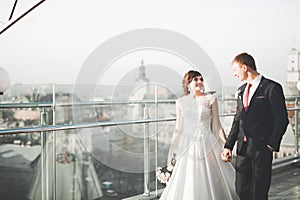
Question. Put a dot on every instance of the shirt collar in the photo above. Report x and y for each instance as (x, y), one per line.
(257, 80)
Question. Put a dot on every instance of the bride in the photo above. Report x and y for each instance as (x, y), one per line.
(199, 172)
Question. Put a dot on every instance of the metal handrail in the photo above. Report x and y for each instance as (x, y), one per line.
(44, 128)
(81, 126)
(92, 103)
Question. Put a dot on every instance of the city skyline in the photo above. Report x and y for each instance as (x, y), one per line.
(51, 43)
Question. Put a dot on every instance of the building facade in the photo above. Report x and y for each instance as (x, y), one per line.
(293, 73)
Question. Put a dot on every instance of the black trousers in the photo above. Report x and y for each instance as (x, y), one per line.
(253, 173)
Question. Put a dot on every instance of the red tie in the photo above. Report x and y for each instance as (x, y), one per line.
(245, 102)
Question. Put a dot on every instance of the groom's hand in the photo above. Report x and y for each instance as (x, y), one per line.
(226, 155)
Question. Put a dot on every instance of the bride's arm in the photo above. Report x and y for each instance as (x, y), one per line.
(176, 134)
(217, 127)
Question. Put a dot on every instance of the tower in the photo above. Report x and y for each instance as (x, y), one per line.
(140, 92)
(293, 72)
(142, 73)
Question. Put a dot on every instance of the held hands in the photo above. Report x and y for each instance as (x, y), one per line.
(226, 155)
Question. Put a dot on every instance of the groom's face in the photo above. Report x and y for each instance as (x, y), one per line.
(239, 71)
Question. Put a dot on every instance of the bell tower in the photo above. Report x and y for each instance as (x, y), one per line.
(142, 73)
(293, 72)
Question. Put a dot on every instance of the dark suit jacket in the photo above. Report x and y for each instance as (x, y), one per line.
(266, 120)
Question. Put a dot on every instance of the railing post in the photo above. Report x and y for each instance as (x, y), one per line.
(44, 163)
(156, 134)
(84, 174)
(53, 145)
(296, 138)
(146, 154)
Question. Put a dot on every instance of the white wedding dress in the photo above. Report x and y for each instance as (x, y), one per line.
(199, 172)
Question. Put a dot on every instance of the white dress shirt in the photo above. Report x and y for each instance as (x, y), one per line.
(253, 88)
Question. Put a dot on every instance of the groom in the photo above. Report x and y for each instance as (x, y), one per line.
(258, 126)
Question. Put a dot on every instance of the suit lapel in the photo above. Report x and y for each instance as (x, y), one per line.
(242, 89)
(257, 92)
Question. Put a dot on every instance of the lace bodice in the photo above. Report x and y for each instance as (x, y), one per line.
(196, 114)
(193, 120)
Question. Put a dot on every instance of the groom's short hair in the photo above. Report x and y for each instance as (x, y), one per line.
(245, 59)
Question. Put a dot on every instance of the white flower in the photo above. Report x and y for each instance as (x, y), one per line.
(170, 168)
(238, 94)
(158, 171)
(168, 175)
(163, 174)
(163, 180)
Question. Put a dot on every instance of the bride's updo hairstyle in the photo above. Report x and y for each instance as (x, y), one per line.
(187, 79)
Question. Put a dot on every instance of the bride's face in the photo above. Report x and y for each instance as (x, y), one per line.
(196, 84)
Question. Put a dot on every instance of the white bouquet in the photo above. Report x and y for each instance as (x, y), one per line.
(163, 174)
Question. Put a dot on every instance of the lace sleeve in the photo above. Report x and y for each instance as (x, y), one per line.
(217, 127)
(177, 132)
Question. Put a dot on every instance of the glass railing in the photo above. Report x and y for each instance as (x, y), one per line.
(102, 154)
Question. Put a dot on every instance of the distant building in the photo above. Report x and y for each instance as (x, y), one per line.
(140, 92)
(142, 73)
(293, 78)
(144, 89)
(293, 72)
(141, 87)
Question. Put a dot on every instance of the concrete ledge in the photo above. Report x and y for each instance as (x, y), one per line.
(152, 196)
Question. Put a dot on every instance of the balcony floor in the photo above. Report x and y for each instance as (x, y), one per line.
(286, 184)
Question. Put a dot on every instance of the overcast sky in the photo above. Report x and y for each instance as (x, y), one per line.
(51, 44)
